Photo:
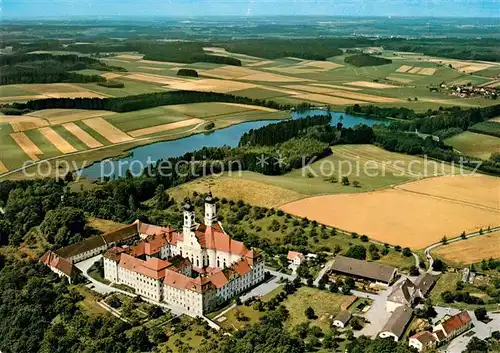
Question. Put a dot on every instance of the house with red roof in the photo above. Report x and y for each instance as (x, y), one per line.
(197, 269)
(59, 265)
(452, 326)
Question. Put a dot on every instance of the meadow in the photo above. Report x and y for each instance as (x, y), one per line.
(474, 144)
(368, 168)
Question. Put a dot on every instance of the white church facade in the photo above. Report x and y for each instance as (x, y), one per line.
(196, 270)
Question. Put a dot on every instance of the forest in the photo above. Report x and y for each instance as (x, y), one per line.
(135, 102)
(47, 68)
(361, 60)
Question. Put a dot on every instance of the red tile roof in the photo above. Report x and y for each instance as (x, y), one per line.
(214, 237)
(292, 255)
(114, 253)
(156, 264)
(456, 321)
(53, 260)
(424, 337)
(137, 265)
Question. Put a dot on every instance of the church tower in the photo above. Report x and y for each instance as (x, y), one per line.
(189, 222)
(210, 210)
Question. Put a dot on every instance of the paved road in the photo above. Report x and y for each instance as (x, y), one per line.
(324, 270)
(435, 245)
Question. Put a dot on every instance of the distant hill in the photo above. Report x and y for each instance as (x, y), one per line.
(366, 60)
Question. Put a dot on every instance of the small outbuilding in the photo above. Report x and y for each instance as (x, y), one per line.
(342, 319)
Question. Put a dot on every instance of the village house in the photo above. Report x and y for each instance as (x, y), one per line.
(372, 271)
(197, 270)
(423, 341)
(397, 323)
(295, 258)
(452, 326)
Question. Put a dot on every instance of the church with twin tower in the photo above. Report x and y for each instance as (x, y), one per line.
(197, 269)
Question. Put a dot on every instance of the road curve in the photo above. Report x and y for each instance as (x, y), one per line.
(467, 236)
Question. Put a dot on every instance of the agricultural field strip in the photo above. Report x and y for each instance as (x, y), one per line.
(344, 94)
(82, 135)
(107, 130)
(27, 145)
(56, 139)
(3, 168)
(321, 98)
(165, 127)
(468, 203)
(368, 84)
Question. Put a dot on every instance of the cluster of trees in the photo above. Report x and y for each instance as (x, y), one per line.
(187, 72)
(140, 101)
(459, 296)
(32, 298)
(272, 134)
(366, 60)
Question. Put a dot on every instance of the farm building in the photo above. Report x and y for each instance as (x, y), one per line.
(372, 271)
(425, 282)
(403, 294)
(397, 323)
(342, 319)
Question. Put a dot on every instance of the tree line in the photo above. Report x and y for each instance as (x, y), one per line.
(141, 101)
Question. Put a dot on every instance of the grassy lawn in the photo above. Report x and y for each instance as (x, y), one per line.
(325, 304)
(396, 259)
(474, 144)
(186, 337)
(89, 303)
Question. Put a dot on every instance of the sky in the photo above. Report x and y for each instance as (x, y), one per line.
(184, 8)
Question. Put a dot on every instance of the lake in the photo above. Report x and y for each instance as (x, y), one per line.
(140, 156)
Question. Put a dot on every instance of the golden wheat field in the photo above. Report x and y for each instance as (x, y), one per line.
(413, 217)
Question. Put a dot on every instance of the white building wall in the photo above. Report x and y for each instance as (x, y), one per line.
(415, 344)
(386, 334)
(111, 270)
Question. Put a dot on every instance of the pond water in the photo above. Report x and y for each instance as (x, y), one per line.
(140, 156)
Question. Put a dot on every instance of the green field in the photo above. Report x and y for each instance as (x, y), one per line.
(474, 144)
(373, 167)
